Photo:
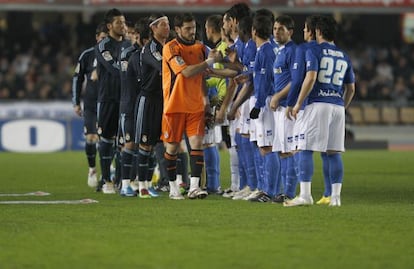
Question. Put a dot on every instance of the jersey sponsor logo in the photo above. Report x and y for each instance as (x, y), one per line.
(107, 56)
(179, 60)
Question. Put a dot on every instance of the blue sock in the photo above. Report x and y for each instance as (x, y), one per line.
(326, 179)
(271, 173)
(283, 169)
(258, 164)
(306, 166)
(336, 167)
(250, 165)
(242, 165)
(211, 162)
(291, 177)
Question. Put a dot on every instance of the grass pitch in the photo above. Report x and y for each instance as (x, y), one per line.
(372, 229)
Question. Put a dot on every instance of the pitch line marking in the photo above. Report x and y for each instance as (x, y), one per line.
(71, 202)
(35, 193)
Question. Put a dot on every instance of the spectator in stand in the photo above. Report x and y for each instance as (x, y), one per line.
(401, 94)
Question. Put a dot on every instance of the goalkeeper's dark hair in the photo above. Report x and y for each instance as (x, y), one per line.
(180, 19)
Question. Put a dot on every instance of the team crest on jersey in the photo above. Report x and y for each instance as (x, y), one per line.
(99, 131)
(277, 70)
(157, 55)
(124, 66)
(107, 55)
(77, 68)
(179, 60)
(144, 138)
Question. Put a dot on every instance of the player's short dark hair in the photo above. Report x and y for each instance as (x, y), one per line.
(142, 27)
(245, 25)
(286, 21)
(311, 23)
(265, 12)
(328, 27)
(111, 14)
(180, 19)
(263, 26)
(101, 28)
(238, 11)
(215, 22)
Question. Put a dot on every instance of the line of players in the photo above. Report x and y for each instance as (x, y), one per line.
(282, 101)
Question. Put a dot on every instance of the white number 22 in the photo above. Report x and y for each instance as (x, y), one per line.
(331, 71)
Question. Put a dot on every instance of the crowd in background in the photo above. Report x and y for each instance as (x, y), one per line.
(42, 68)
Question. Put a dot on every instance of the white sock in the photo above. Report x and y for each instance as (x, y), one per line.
(179, 179)
(173, 187)
(234, 169)
(141, 185)
(194, 183)
(336, 189)
(125, 183)
(305, 189)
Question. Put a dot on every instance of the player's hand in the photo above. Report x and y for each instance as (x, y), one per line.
(78, 111)
(288, 113)
(254, 113)
(231, 115)
(215, 55)
(231, 55)
(220, 116)
(94, 75)
(242, 78)
(295, 111)
(274, 102)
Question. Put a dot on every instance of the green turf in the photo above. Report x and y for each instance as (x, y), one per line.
(373, 228)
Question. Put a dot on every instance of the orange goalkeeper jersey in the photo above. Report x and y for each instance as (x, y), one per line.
(181, 94)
